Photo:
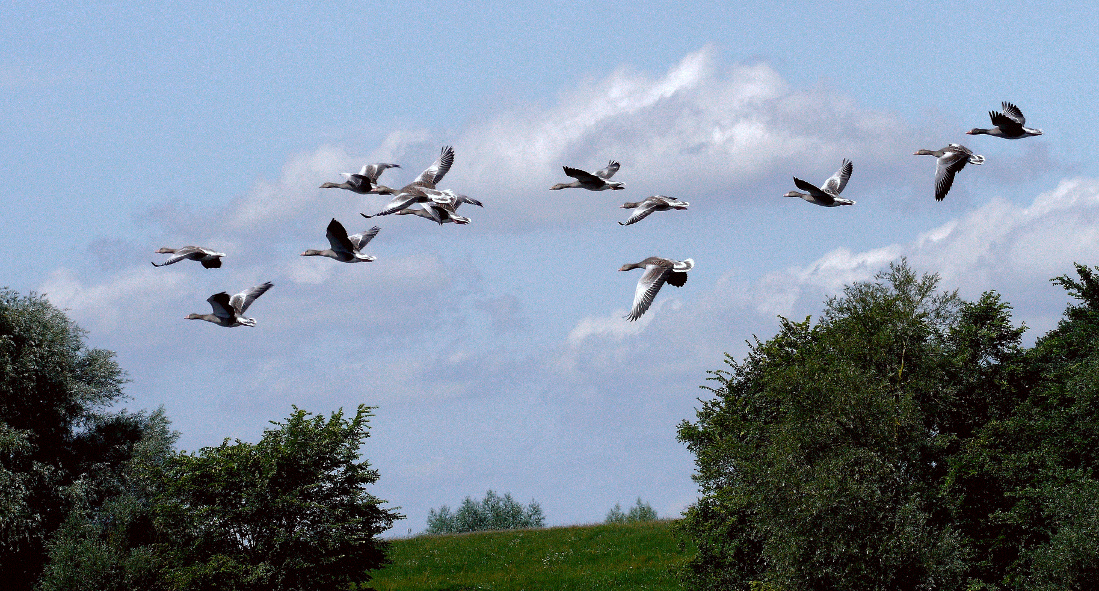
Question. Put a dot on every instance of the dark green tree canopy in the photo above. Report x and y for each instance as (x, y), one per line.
(905, 441)
(289, 512)
(55, 426)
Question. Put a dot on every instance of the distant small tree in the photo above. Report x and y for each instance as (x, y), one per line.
(638, 513)
(492, 513)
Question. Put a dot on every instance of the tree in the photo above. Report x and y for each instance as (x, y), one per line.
(1025, 488)
(290, 512)
(55, 431)
(638, 513)
(822, 456)
(492, 513)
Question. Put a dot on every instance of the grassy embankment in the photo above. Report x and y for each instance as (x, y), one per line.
(626, 556)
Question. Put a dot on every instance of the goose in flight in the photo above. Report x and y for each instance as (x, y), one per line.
(345, 248)
(413, 194)
(441, 208)
(949, 161)
(600, 181)
(828, 194)
(366, 181)
(642, 209)
(228, 311)
(209, 258)
(657, 271)
(1008, 125)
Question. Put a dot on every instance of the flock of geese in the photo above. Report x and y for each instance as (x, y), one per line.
(422, 198)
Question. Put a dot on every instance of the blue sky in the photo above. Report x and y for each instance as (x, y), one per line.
(496, 351)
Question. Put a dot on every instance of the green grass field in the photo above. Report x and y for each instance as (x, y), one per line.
(625, 556)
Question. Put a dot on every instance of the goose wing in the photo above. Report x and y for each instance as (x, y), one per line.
(814, 191)
(835, 183)
(1013, 112)
(608, 172)
(402, 200)
(358, 241)
(337, 237)
(947, 166)
(221, 304)
(642, 210)
(438, 170)
(242, 300)
(583, 176)
(647, 287)
(373, 171)
(1006, 123)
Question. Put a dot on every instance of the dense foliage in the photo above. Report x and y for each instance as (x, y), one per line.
(636, 514)
(491, 513)
(905, 441)
(59, 444)
(289, 512)
(98, 500)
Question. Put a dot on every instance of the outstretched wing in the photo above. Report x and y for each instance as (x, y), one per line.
(647, 287)
(608, 172)
(583, 176)
(373, 171)
(641, 211)
(948, 165)
(220, 302)
(337, 237)
(242, 300)
(363, 238)
(814, 191)
(835, 183)
(1014, 113)
(438, 170)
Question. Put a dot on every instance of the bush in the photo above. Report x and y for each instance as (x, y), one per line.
(637, 514)
(492, 513)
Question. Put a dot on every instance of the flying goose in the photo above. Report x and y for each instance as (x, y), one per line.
(441, 208)
(228, 311)
(1008, 125)
(209, 258)
(949, 161)
(366, 181)
(657, 271)
(592, 182)
(828, 194)
(345, 248)
(413, 194)
(641, 209)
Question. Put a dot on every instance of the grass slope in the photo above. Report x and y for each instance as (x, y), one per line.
(622, 556)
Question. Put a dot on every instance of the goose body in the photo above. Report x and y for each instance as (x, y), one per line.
(600, 181)
(828, 194)
(1008, 124)
(210, 259)
(229, 311)
(658, 271)
(345, 248)
(949, 161)
(642, 209)
(365, 181)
